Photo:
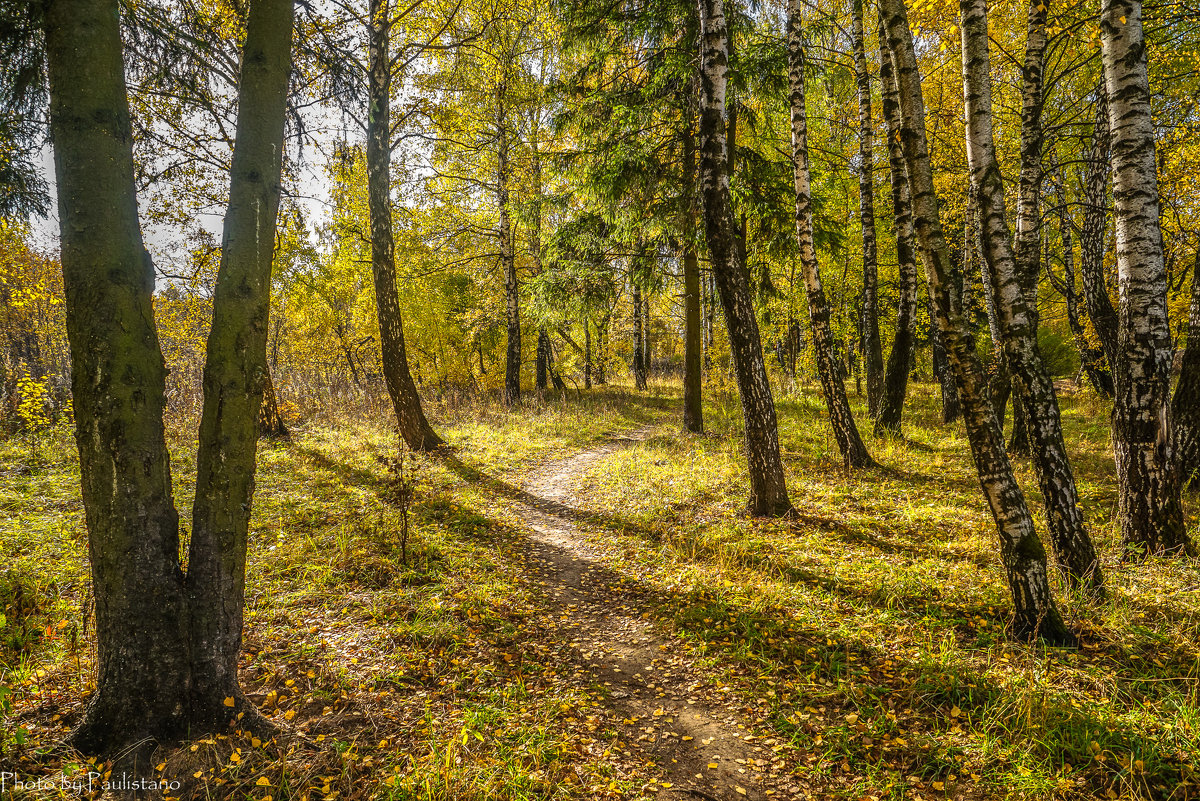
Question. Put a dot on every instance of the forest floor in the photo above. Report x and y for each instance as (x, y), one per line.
(582, 611)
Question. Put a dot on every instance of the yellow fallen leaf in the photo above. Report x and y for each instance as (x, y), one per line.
(255, 742)
(686, 737)
(955, 712)
(229, 701)
(852, 718)
(263, 781)
(658, 713)
(740, 790)
(939, 786)
(291, 713)
(712, 765)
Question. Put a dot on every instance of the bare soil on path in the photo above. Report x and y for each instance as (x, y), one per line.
(693, 733)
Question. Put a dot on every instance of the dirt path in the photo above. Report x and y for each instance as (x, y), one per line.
(670, 716)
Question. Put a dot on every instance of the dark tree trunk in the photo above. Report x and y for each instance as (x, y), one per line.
(639, 352)
(587, 353)
(951, 405)
(854, 452)
(1151, 512)
(1034, 611)
(768, 491)
(899, 364)
(646, 354)
(1036, 413)
(543, 360)
(117, 379)
(693, 409)
(871, 345)
(600, 369)
(406, 401)
(710, 313)
(1093, 235)
(1185, 403)
(234, 369)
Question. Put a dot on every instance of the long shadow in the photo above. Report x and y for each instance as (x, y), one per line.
(785, 646)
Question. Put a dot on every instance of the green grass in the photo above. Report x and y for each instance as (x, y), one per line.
(868, 632)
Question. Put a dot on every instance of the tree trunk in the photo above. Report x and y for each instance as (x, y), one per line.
(1017, 322)
(899, 364)
(1034, 610)
(270, 421)
(1151, 513)
(871, 346)
(854, 452)
(587, 353)
(768, 491)
(601, 366)
(543, 359)
(234, 369)
(1093, 235)
(1091, 358)
(693, 409)
(406, 401)
(508, 261)
(117, 380)
(1185, 404)
(710, 313)
(639, 352)
(646, 334)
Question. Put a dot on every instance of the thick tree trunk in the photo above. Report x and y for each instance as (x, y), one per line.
(1017, 322)
(871, 346)
(1185, 403)
(1034, 610)
(508, 261)
(768, 491)
(406, 401)
(854, 452)
(899, 364)
(117, 378)
(1151, 514)
(1091, 358)
(235, 366)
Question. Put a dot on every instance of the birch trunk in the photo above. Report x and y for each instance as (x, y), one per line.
(1091, 358)
(871, 344)
(1034, 610)
(1151, 513)
(406, 401)
(899, 362)
(1017, 322)
(854, 452)
(768, 491)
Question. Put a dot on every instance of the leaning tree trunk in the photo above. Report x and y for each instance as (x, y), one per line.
(118, 383)
(233, 372)
(1151, 513)
(406, 401)
(508, 260)
(1034, 610)
(1017, 322)
(768, 491)
(895, 383)
(1185, 403)
(1091, 358)
(270, 421)
(854, 452)
(871, 345)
